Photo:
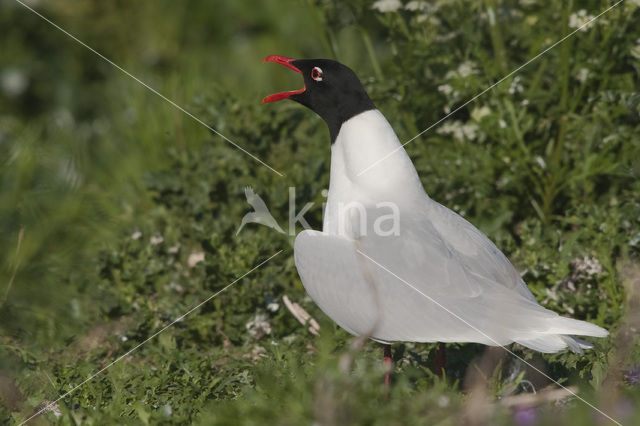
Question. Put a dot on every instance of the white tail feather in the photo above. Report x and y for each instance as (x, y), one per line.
(562, 325)
(558, 336)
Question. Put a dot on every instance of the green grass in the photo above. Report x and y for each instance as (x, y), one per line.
(546, 163)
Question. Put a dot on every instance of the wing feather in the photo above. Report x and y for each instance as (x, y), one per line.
(440, 279)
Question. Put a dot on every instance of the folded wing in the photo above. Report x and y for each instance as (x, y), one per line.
(440, 279)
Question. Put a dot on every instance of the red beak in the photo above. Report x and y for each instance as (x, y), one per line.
(282, 60)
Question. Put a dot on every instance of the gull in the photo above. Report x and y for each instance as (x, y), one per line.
(429, 275)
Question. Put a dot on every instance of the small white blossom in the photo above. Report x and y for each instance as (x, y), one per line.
(470, 130)
(166, 410)
(478, 113)
(458, 130)
(464, 70)
(586, 267)
(195, 258)
(156, 239)
(583, 74)
(443, 401)
(502, 124)
(580, 18)
(515, 86)
(273, 307)
(446, 89)
(415, 5)
(259, 326)
(13, 82)
(136, 235)
(387, 5)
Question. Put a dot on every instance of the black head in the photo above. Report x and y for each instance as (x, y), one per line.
(331, 90)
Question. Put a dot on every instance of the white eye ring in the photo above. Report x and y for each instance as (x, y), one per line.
(316, 74)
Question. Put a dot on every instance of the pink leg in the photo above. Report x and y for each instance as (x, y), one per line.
(386, 350)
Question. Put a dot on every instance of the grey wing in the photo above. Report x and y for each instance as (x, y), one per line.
(409, 287)
(440, 279)
(365, 299)
(475, 251)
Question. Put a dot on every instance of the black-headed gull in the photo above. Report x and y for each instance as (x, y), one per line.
(393, 264)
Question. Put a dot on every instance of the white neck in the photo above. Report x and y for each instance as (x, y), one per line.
(362, 141)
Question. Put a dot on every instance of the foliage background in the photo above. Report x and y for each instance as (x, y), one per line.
(107, 192)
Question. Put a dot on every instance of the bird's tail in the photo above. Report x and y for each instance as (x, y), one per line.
(558, 336)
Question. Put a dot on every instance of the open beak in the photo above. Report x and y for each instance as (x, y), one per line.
(282, 60)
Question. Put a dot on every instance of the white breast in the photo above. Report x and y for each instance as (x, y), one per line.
(363, 140)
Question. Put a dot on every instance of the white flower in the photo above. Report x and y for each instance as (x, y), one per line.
(156, 239)
(273, 307)
(259, 326)
(195, 258)
(470, 130)
(515, 86)
(136, 235)
(451, 128)
(586, 267)
(464, 70)
(443, 401)
(13, 82)
(387, 5)
(502, 124)
(582, 75)
(478, 113)
(415, 5)
(446, 89)
(580, 18)
(458, 130)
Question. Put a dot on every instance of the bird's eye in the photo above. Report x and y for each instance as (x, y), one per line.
(316, 74)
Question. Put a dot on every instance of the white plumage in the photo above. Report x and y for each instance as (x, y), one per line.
(465, 289)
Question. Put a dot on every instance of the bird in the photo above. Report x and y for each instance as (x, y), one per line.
(260, 214)
(430, 275)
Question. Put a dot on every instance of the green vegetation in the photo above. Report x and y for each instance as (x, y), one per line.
(109, 196)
